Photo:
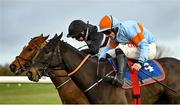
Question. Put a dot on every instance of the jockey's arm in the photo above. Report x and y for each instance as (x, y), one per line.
(144, 49)
(137, 37)
(102, 54)
(109, 46)
(95, 44)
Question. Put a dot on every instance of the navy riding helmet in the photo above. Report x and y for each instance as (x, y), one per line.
(75, 28)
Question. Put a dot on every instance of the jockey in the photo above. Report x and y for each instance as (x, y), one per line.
(82, 31)
(134, 40)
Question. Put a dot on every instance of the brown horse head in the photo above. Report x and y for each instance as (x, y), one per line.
(24, 60)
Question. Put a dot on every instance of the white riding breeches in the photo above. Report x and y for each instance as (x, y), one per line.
(131, 51)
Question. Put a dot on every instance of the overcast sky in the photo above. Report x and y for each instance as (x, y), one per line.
(21, 20)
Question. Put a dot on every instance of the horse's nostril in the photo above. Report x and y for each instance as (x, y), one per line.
(12, 67)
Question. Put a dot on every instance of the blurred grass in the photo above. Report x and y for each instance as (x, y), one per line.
(28, 94)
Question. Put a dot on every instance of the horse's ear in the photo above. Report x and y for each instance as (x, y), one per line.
(55, 36)
(46, 37)
(60, 36)
(41, 34)
(24, 47)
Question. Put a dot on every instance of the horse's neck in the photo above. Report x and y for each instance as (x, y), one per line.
(59, 77)
(71, 57)
(86, 75)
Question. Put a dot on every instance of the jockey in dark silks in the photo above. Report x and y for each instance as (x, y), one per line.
(82, 31)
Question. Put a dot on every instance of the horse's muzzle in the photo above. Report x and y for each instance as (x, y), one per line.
(32, 77)
(13, 68)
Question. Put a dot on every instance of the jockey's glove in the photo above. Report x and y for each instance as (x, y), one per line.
(137, 66)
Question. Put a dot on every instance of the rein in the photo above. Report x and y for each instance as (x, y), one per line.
(80, 65)
(77, 68)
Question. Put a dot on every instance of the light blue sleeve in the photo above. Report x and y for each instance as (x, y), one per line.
(103, 53)
(144, 50)
(131, 29)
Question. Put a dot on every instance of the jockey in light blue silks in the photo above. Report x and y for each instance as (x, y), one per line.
(129, 38)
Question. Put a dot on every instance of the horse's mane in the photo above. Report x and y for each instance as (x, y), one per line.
(72, 48)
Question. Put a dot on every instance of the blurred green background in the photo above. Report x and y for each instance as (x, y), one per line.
(26, 93)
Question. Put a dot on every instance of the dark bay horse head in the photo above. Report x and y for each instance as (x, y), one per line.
(42, 62)
(24, 60)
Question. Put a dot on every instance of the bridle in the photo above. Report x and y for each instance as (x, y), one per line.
(19, 63)
(22, 67)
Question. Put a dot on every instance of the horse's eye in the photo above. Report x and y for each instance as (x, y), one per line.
(29, 49)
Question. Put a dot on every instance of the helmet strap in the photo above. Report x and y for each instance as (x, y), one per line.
(87, 31)
(115, 30)
(111, 22)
